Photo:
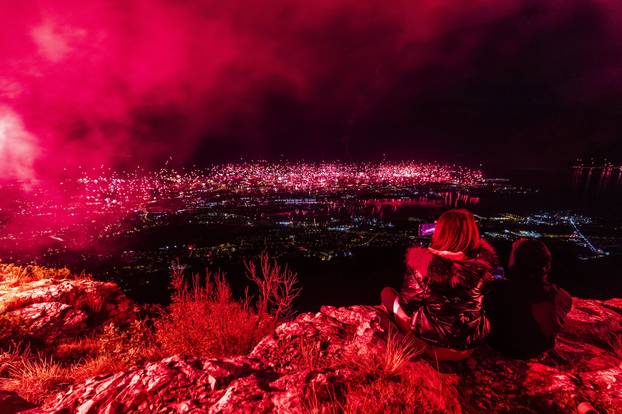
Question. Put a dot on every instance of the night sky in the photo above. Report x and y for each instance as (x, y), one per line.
(505, 83)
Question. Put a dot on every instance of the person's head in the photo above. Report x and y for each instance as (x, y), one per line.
(530, 259)
(456, 231)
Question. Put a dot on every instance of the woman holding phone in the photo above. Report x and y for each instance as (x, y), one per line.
(440, 302)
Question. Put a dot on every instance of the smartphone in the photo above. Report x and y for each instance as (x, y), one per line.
(426, 229)
(498, 273)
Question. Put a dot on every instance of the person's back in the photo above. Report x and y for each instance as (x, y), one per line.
(440, 302)
(444, 292)
(526, 311)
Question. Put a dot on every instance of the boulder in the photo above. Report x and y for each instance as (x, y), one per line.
(306, 364)
(11, 403)
(48, 310)
(585, 366)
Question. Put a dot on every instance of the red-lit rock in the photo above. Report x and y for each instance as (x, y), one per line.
(11, 403)
(586, 365)
(306, 365)
(49, 310)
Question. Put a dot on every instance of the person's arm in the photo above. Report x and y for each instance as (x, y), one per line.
(413, 291)
(413, 288)
(551, 314)
(391, 301)
(563, 304)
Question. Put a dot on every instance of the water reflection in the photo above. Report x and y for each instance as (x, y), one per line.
(606, 178)
(453, 199)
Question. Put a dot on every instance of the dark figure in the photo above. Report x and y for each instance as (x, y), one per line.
(441, 298)
(526, 311)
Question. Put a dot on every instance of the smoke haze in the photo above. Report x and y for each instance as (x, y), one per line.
(132, 82)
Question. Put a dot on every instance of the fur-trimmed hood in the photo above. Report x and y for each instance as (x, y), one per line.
(456, 269)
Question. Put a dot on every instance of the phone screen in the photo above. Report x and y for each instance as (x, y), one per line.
(426, 229)
(498, 273)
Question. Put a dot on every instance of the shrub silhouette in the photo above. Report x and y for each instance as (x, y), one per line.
(204, 318)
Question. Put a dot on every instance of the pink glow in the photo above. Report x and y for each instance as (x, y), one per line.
(78, 212)
(18, 148)
(87, 78)
(51, 41)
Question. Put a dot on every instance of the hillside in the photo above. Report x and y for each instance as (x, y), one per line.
(339, 359)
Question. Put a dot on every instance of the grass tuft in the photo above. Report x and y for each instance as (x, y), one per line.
(400, 350)
(388, 381)
(36, 379)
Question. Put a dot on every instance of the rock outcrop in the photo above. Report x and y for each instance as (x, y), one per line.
(11, 403)
(48, 310)
(307, 364)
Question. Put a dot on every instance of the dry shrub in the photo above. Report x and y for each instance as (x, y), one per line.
(205, 320)
(407, 391)
(412, 389)
(10, 357)
(277, 287)
(390, 383)
(98, 365)
(399, 351)
(132, 345)
(35, 379)
(398, 394)
(38, 376)
(76, 350)
(12, 329)
(381, 382)
(310, 351)
(12, 274)
(322, 400)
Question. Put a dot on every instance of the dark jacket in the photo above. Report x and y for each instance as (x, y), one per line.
(443, 292)
(525, 316)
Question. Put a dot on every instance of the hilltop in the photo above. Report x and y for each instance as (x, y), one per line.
(339, 359)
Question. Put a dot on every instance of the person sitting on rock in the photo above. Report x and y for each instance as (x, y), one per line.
(440, 302)
(526, 311)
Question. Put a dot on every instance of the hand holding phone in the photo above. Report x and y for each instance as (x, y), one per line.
(426, 229)
(498, 273)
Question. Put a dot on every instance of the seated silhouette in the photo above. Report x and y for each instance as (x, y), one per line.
(526, 311)
(440, 302)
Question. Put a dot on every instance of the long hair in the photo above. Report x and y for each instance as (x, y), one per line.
(456, 231)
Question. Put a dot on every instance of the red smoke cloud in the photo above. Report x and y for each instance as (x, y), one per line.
(18, 149)
(128, 81)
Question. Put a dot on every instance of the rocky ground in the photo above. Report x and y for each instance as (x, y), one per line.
(307, 363)
(43, 311)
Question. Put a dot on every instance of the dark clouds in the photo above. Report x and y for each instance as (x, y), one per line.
(121, 82)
